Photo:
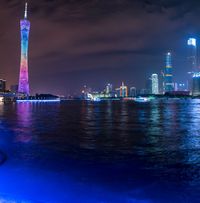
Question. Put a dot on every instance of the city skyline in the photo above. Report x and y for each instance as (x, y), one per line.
(122, 63)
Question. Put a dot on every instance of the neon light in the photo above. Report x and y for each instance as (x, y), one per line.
(35, 100)
(192, 41)
(23, 77)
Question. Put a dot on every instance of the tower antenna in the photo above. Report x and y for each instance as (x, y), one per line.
(26, 10)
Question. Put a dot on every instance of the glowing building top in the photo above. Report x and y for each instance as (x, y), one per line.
(192, 42)
(25, 11)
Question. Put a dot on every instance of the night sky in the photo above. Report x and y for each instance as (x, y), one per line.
(94, 42)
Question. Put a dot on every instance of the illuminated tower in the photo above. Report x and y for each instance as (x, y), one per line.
(154, 79)
(23, 76)
(168, 84)
(192, 55)
(123, 90)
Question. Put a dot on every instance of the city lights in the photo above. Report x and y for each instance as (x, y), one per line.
(192, 41)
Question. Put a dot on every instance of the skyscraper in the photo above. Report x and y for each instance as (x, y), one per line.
(23, 76)
(154, 80)
(192, 55)
(2, 85)
(196, 84)
(123, 90)
(133, 92)
(108, 89)
(168, 84)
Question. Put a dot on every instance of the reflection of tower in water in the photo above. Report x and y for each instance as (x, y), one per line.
(24, 116)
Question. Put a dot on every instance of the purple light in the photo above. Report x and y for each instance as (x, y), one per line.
(23, 77)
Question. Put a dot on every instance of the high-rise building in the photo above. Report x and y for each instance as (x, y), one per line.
(168, 83)
(108, 89)
(2, 85)
(133, 92)
(155, 85)
(196, 84)
(148, 86)
(23, 76)
(192, 54)
(123, 90)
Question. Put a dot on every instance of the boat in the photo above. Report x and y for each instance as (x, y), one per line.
(141, 99)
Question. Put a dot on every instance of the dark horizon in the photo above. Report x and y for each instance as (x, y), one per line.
(76, 43)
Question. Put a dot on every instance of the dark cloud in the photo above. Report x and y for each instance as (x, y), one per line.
(74, 41)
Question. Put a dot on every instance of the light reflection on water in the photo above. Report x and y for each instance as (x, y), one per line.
(126, 149)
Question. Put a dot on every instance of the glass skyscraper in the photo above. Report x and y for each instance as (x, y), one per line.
(196, 84)
(192, 55)
(168, 82)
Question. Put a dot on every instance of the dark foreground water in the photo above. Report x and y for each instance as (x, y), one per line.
(100, 152)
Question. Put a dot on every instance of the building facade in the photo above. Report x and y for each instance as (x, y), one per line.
(192, 54)
(123, 90)
(133, 92)
(155, 84)
(168, 80)
(196, 84)
(23, 87)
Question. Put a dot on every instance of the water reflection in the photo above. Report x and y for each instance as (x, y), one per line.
(23, 129)
(122, 146)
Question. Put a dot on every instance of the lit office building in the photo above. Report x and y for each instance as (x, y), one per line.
(168, 84)
(108, 88)
(192, 54)
(196, 84)
(2, 85)
(123, 90)
(155, 86)
(192, 61)
(133, 92)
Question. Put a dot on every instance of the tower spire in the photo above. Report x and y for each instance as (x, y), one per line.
(26, 9)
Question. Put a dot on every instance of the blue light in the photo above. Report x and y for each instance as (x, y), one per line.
(36, 100)
(196, 75)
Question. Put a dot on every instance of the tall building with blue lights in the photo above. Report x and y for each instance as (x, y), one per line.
(192, 54)
(168, 82)
(196, 84)
(23, 76)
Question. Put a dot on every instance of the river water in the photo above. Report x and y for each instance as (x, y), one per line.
(112, 151)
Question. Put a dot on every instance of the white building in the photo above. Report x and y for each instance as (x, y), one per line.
(154, 80)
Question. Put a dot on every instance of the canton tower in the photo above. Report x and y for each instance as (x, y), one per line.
(23, 76)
